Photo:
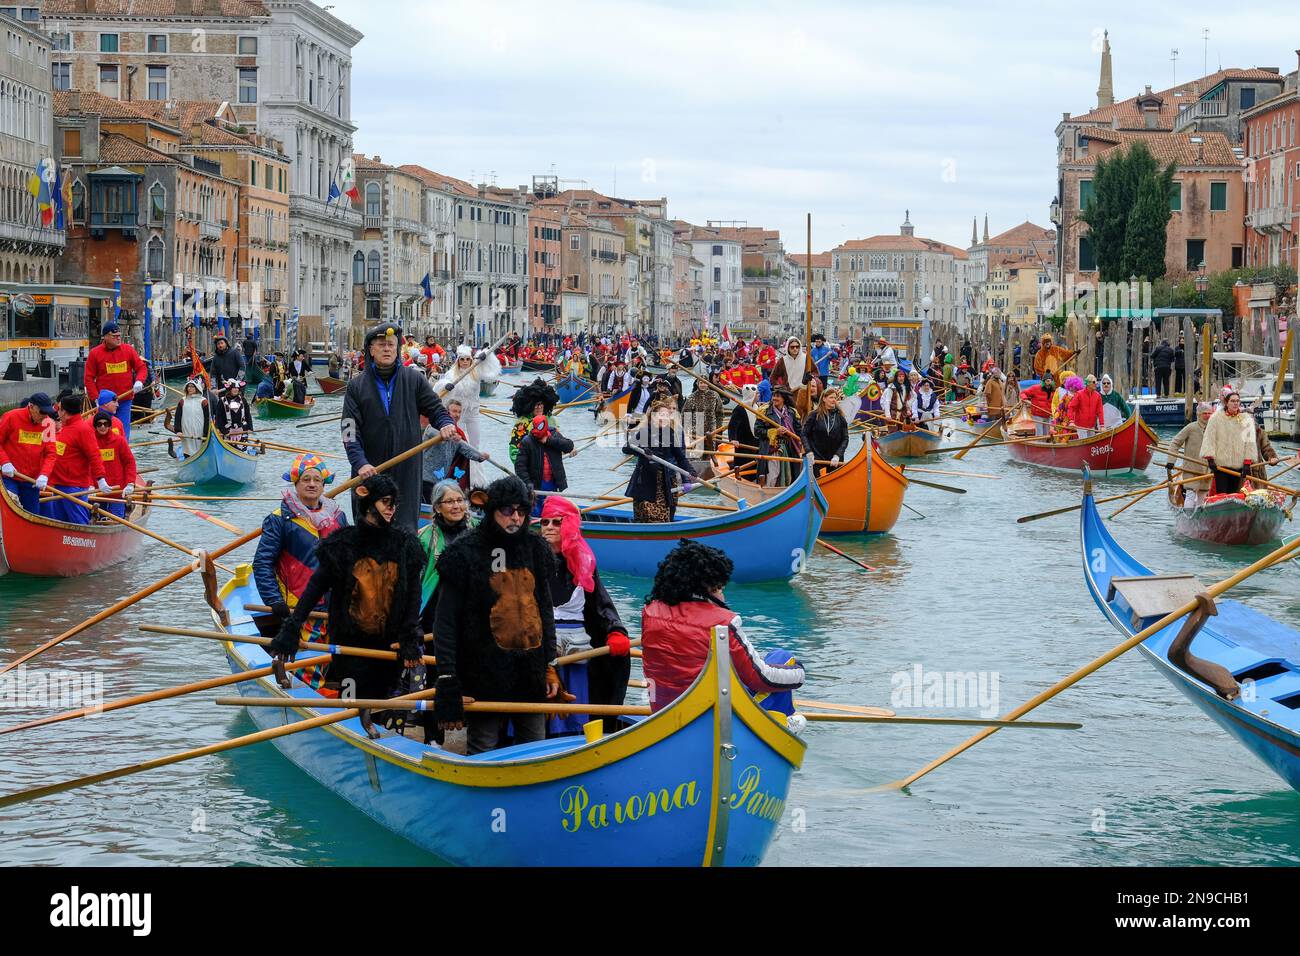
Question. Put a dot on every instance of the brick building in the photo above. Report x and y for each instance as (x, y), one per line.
(1272, 139)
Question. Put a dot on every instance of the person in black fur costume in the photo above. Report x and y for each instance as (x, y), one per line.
(535, 398)
(372, 572)
(495, 624)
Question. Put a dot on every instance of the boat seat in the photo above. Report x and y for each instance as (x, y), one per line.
(1149, 597)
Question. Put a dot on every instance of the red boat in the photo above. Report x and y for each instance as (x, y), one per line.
(1122, 450)
(30, 544)
(1253, 517)
(330, 385)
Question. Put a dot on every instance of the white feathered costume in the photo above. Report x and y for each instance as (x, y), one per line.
(466, 392)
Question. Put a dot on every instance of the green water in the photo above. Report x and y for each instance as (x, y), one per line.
(1148, 780)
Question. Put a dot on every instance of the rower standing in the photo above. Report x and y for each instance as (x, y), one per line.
(77, 463)
(118, 459)
(117, 368)
(27, 446)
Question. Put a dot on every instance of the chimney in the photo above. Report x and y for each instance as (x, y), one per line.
(74, 100)
(196, 136)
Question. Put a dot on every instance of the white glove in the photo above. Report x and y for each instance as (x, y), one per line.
(41, 482)
(835, 459)
(128, 491)
(482, 354)
(7, 469)
(137, 386)
(796, 723)
(104, 486)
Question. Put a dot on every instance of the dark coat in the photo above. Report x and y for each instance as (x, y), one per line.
(225, 365)
(1162, 357)
(489, 652)
(826, 436)
(643, 484)
(528, 463)
(371, 435)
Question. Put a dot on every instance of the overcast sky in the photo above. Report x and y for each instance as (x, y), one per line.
(764, 112)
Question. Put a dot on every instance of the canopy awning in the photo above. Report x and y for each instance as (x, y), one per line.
(1245, 357)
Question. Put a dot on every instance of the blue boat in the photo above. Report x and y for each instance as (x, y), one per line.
(573, 388)
(770, 541)
(1260, 654)
(702, 782)
(218, 462)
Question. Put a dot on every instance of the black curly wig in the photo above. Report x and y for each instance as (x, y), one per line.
(372, 489)
(507, 490)
(532, 393)
(689, 572)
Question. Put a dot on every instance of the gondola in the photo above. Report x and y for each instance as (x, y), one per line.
(702, 782)
(329, 385)
(1243, 518)
(280, 408)
(768, 542)
(917, 443)
(574, 388)
(531, 365)
(1122, 450)
(32, 544)
(218, 462)
(863, 495)
(1251, 646)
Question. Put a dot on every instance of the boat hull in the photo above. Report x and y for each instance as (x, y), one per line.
(768, 542)
(31, 544)
(1230, 521)
(528, 365)
(1122, 450)
(658, 793)
(572, 389)
(217, 462)
(487, 389)
(1249, 644)
(279, 408)
(330, 385)
(914, 444)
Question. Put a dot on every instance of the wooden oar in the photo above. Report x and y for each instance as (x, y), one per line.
(912, 469)
(1258, 482)
(264, 609)
(95, 509)
(847, 557)
(318, 420)
(689, 476)
(1100, 501)
(1096, 664)
(951, 489)
(346, 651)
(166, 694)
(801, 703)
(588, 655)
(273, 733)
(192, 566)
(988, 431)
(478, 706)
(941, 721)
(170, 505)
(146, 419)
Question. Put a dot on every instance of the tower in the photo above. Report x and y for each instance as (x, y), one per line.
(1106, 90)
(974, 233)
(906, 229)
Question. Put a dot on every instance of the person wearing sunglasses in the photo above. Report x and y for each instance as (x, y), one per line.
(118, 459)
(495, 624)
(585, 618)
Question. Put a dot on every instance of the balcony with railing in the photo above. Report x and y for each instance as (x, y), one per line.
(374, 288)
(374, 222)
(210, 231)
(1200, 110)
(1277, 216)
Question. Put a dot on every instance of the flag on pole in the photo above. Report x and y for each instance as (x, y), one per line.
(335, 193)
(350, 182)
(427, 286)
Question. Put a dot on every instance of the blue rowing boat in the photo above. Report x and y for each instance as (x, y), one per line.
(573, 388)
(218, 462)
(917, 443)
(770, 541)
(702, 782)
(1262, 655)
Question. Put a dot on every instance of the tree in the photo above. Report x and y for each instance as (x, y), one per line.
(1120, 180)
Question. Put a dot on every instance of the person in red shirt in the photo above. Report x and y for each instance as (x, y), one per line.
(1086, 408)
(118, 459)
(77, 463)
(767, 359)
(1040, 396)
(117, 368)
(27, 447)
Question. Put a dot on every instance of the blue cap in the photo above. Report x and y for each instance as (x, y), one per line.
(42, 402)
(110, 327)
(106, 396)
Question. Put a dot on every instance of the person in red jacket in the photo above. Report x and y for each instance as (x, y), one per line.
(1086, 408)
(767, 359)
(117, 368)
(685, 603)
(1040, 396)
(118, 459)
(77, 463)
(27, 447)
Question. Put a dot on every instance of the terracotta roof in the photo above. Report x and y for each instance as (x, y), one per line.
(118, 150)
(440, 181)
(1130, 116)
(210, 135)
(183, 115)
(1177, 148)
(1022, 234)
(894, 243)
(97, 103)
(362, 161)
(188, 9)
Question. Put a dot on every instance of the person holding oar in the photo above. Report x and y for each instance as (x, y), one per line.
(684, 605)
(1187, 443)
(232, 415)
(1229, 443)
(119, 462)
(541, 459)
(371, 572)
(27, 446)
(826, 432)
(781, 438)
(462, 383)
(114, 367)
(191, 418)
(585, 618)
(659, 436)
(77, 464)
(286, 554)
(448, 459)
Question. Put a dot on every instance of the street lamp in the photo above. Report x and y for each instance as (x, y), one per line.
(927, 304)
(1202, 283)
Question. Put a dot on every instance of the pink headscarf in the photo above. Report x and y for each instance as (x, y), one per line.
(576, 551)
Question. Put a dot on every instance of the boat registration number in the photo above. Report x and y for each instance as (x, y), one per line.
(76, 542)
(1100, 450)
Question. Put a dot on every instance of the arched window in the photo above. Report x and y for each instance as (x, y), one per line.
(154, 258)
(358, 268)
(372, 267)
(157, 203)
(372, 199)
(78, 201)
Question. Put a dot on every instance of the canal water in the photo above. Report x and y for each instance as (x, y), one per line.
(961, 589)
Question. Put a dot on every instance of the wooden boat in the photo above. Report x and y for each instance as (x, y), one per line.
(615, 407)
(574, 388)
(917, 443)
(1121, 450)
(329, 385)
(1250, 645)
(32, 544)
(219, 462)
(531, 365)
(864, 495)
(768, 542)
(280, 408)
(702, 782)
(1252, 518)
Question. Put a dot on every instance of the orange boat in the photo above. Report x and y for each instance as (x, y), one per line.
(863, 495)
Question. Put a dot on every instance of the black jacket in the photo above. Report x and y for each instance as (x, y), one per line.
(826, 436)
(223, 366)
(528, 463)
(1162, 357)
(643, 485)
